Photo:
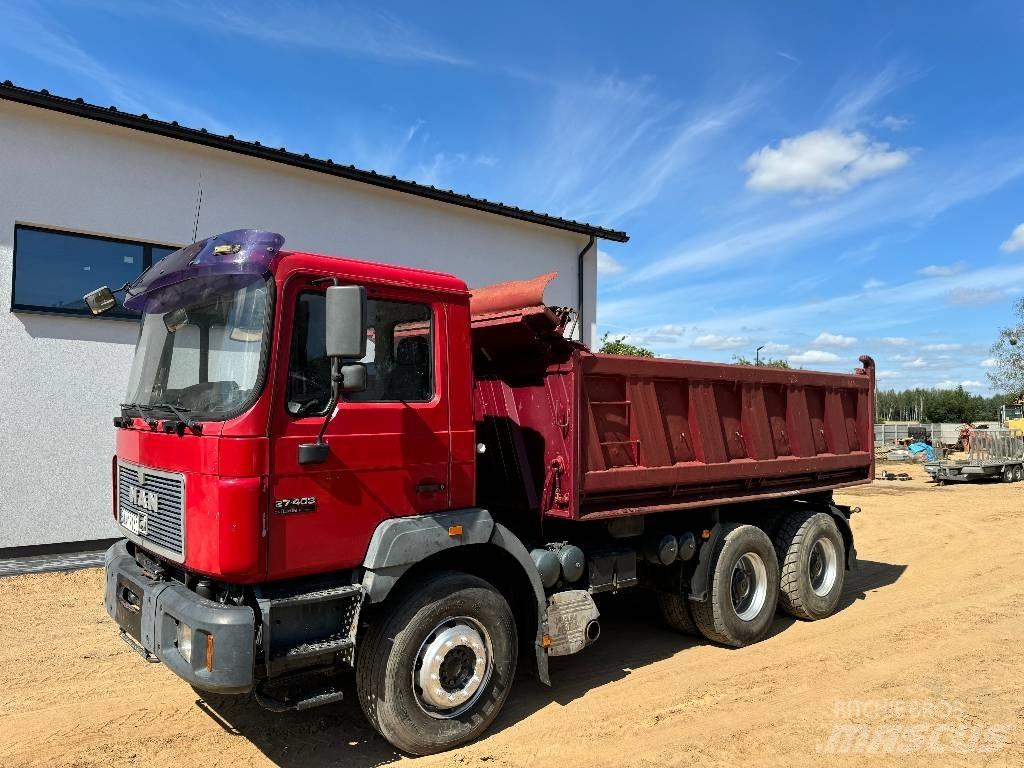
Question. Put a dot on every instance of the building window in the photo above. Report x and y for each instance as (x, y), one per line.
(53, 270)
(399, 355)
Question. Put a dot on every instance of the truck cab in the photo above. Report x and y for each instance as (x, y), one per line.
(328, 467)
(236, 381)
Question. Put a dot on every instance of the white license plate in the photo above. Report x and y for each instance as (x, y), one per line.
(134, 522)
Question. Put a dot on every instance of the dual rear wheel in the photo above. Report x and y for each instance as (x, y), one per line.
(801, 571)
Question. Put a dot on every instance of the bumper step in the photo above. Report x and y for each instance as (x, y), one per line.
(297, 692)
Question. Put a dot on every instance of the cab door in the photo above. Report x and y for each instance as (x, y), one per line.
(389, 445)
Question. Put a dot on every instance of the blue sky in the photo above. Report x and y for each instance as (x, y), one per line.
(827, 180)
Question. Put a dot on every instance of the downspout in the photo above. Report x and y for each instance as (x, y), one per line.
(579, 281)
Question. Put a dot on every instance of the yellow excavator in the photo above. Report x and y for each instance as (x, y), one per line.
(1011, 415)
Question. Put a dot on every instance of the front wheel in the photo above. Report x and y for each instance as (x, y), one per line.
(435, 668)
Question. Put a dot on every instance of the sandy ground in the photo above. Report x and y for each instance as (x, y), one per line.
(923, 662)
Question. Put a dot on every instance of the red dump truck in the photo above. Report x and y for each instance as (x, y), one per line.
(326, 466)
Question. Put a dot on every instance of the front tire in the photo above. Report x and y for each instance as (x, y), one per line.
(743, 591)
(812, 557)
(435, 668)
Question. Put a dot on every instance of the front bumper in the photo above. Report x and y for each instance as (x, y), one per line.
(149, 612)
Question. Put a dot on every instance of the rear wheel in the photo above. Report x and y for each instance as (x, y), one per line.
(812, 556)
(434, 671)
(1018, 473)
(675, 609)
(743, 587)
(1008, 475)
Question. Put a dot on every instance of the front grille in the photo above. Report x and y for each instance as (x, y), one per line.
(164, 524)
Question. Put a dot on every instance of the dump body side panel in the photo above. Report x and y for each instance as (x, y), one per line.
(586, 436)
(666, 434)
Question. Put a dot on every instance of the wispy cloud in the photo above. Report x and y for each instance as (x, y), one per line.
(34, 33)
(714, 341)
(854, 101)
(878, 311)
(611, 147)
(942, 270)
(974, 297)
(346, 28)
(893, 123)
(947, 179)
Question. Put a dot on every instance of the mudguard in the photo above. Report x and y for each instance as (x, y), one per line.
(400, 543)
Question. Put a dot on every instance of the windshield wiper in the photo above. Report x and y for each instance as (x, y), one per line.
(179, 411)
(150, 422)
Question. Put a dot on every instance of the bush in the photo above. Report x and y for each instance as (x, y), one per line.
(618, 346)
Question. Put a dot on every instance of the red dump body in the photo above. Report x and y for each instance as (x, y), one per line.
(578, 435)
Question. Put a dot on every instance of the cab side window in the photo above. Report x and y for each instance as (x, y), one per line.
(399, 355)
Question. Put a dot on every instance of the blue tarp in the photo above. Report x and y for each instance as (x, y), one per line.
(915, 448)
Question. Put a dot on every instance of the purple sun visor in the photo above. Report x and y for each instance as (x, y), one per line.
(211, 267)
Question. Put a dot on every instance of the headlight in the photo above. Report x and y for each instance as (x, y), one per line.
(185, 641)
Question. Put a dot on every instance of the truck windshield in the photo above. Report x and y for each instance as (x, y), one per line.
(204, 357)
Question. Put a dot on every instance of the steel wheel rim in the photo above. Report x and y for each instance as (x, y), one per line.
(452, 667)
(749, 586)
(822, 566)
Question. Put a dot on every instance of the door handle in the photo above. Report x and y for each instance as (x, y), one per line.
(429, 487)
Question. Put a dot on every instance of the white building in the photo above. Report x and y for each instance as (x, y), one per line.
(90, 195)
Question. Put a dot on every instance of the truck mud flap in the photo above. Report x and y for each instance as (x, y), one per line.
(699, 580)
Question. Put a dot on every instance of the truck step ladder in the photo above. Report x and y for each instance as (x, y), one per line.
(299, 691)
(306, 626)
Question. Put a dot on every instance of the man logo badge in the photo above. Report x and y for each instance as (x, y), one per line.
(143, 498)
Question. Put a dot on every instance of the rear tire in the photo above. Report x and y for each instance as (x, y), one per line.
(410, 637)
(812, 565)
(1008, 475)
(675, 610)
(743, 588)
(1018, 473)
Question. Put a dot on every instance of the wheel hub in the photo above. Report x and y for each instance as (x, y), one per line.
(453, 666)
(749, 586)
(822, 566)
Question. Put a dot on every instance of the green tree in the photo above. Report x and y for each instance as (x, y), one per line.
(764, 362)
(1008, 352)
(936, 405)
(952, 405)
(618, 346)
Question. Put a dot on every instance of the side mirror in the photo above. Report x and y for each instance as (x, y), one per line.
(353, 378)
(101, 300)
(346, 322)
